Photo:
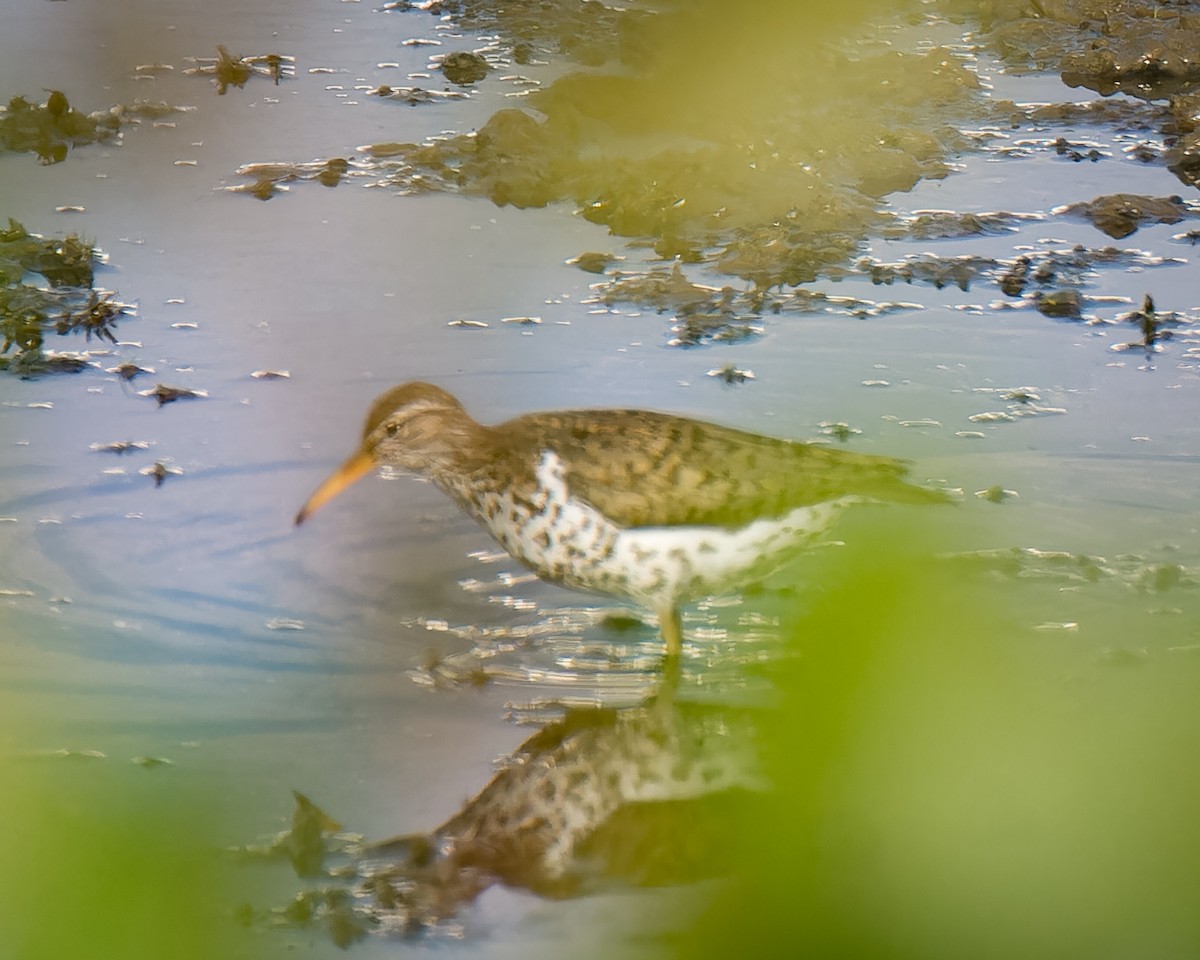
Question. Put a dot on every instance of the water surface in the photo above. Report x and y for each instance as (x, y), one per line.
(191, 622)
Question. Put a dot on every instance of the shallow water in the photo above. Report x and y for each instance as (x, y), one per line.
(191, 621)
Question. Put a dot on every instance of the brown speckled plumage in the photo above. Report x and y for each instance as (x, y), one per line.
(649, 506)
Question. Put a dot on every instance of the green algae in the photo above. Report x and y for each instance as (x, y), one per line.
(50, 129)
(67, 304)
(765, 147)
(656, 154)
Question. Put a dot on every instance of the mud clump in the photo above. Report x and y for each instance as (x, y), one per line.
(1121, 214)
(464, 68)
(1061, 304)
(1148, 51)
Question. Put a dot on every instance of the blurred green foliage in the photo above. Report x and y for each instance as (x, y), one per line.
(954, 783)
(104, 859)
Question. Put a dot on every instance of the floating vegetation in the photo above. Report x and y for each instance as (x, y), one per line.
(839, 430)
(230, 71)
(1013, 280)
(940, 272)
(1044, 279)
(66, 753)
(66, 361)
(947, 224)
(1121, 214)
(1070, 267)
(1020, 403)
(1062, 304)
(68, 305)
(1148, 51)
(594, 262)
(128, 370)
(695, 329)
(664, 289)
(50, 129)
(150, 763)
(1126, 115)
(632, 144)
(140, 110)
(285, 623)
(159, 470)
(588, 33)
(415, 95)
(267, 179)
(731, 374)
(1142, 49)
(120, 446)
(1154, 325)
(63, 263)
(165, 394)
(1137, 572)
(997, 494)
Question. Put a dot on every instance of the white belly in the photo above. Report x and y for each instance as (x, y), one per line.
(570, 542)
(684, 563)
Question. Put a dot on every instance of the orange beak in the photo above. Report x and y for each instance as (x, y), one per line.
(355, 468)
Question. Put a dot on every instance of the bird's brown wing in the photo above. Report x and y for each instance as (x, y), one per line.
(645, 469)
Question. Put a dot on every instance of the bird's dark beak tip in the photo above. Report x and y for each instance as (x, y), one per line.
(300, 518)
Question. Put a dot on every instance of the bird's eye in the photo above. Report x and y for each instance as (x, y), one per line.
(392, 429)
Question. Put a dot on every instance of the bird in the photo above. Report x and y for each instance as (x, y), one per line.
(652, 508)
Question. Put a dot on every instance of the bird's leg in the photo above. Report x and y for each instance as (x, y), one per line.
(667, 684)
(670, 623)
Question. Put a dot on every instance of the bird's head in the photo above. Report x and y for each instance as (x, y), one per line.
(415, 426)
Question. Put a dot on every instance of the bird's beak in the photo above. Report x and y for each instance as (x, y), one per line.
(355, 468)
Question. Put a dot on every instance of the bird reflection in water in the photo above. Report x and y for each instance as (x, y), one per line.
(647, 795)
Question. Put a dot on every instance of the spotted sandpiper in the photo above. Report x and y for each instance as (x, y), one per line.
(654, 508)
